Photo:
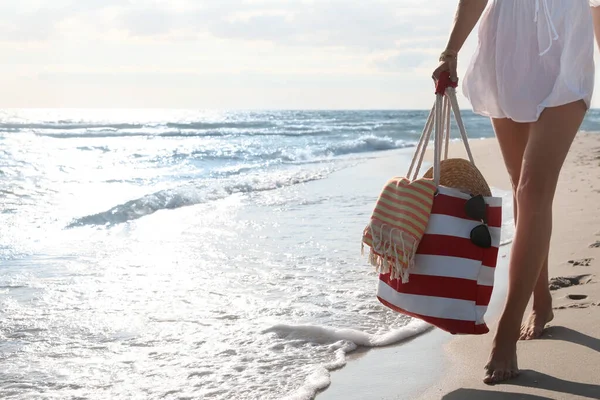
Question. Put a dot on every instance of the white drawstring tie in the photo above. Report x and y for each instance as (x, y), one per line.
(552, 34)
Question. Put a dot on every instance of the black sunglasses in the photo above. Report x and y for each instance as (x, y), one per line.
(475, 208)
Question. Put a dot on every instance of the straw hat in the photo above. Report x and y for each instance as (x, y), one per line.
(459, 173)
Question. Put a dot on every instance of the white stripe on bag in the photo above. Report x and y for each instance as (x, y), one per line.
(453, 267)
(441, 224)
(480, 311)
(486, 276)
(442, 307)
(430, 306)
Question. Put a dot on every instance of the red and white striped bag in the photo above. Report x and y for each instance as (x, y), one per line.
(452, 278)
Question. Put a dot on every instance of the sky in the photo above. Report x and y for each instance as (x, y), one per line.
(224, 54)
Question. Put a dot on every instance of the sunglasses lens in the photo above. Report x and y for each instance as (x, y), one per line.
(480, 236)
(475, 208)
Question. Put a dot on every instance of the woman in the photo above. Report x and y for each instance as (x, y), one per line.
(533, 75)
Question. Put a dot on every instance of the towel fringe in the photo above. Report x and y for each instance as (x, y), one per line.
(384, 254)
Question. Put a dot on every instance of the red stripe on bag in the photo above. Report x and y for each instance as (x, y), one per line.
(455, 207)
(484, 294)
(436, 286)
(490, 257)
(453, 326)
(452, 246)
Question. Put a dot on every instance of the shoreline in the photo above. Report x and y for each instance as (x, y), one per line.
(405, 369)
(552, 367)
(348, 382)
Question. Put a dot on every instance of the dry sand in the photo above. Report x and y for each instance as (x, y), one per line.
(565, 362)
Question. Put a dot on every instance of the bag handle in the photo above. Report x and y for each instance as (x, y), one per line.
(439, 121)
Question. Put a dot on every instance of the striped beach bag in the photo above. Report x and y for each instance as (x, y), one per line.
(447, 278)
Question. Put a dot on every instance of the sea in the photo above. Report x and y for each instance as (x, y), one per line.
(193, 254)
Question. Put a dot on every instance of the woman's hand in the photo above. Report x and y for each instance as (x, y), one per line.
(448, 61)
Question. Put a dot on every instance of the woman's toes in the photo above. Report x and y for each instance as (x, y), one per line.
(534, 327)
(493, 376)
(487, 379)
(489, 371)
(499, 376)
(502, 363)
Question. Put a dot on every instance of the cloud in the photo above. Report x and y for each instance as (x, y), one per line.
(27, 21)
(27, 26)
(404, 60)
(362, 25)
(366, 26)
(234, 50)
(371, 25)
(148, 21)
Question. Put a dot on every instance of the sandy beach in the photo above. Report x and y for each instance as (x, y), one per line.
(564, 363)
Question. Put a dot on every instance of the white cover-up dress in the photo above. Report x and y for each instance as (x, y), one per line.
(532, 54)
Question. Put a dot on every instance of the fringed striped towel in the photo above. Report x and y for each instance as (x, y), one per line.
(397, 225)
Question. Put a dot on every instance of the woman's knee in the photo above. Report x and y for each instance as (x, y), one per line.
(535, 191)
(514, 180)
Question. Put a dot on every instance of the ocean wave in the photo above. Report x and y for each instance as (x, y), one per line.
(70, 125)
(162, 131)
(266, 126)
(14, 126)
(169, 133)
(77, 130)
(171, 199)
(367, 143)
(313, 152)
(341, 342)
(220, 125)
(101, 134)
(362, 144)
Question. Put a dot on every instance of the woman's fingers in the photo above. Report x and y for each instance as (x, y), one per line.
(438, 71)
(449, 66)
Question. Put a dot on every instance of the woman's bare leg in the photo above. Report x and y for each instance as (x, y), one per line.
(542, 312)
(550, 139)
(513, 137)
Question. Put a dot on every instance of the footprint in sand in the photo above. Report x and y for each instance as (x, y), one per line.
(567, 281)
(576, 296)
(595, 245)
(584, 262)
(577, 305)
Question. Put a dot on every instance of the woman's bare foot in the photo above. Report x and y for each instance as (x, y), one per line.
(502, 364)
(536, 322)
(540, 315)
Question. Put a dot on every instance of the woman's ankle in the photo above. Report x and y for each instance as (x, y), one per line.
(509, 328)
(542, 300)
